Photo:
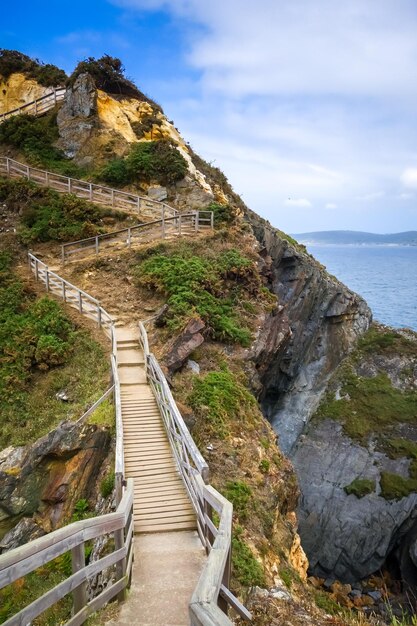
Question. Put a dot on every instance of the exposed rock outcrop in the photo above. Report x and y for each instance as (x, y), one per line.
(17, 90)
(302, 342)
(47, 478)
(344, 536)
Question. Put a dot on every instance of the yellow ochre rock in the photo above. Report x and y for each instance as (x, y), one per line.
(18, 90)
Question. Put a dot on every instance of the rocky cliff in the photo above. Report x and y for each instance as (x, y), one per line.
(316, 325)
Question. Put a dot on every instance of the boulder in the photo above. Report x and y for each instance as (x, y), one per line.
(189, 339)
(47, 478)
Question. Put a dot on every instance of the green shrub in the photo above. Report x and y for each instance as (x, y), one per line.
(12, 61)
(221, 399)
(145, 125)
(264, 466)
(239, 494)
(360, 487)
(35, 138)
(223, 213)
(198, 286)
(59, 217)
(107, 485)
(50, 351)
(245, 568)
(147, 161)
(108, 75)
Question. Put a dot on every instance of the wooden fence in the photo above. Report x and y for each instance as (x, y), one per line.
(38, 106)
(37, 553)
(178, 225)
(212, 596)
(91, 308)
(144, 207)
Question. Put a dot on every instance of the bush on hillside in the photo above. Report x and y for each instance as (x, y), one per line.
(108, 74)
(12, 61)
(146, 162)
(35, 138)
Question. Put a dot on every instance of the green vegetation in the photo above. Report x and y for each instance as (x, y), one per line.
(219, 398)
(104, 415)
(289, 576)
(324, 601)
(12, 61)
(360, 487)
(40, 354)
(209, 288)
(395, 487)
(223, 213)
(245, 568)
(239, 493)
(368, 405)
(147, 161)
(107, 485)
(264, 466)
(25, 590)
(48, 215)
(379, 340)
(145, 125)
(108, 75)
(35, 138)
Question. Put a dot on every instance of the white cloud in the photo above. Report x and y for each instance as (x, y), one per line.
(409, 177)
(298, 202)
(373, 195)
(302, 100)
(299, 47)
(406, 196)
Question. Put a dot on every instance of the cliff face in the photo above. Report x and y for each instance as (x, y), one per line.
(17, 90)
(317, 323)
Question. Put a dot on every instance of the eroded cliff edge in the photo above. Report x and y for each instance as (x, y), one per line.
(317, 323)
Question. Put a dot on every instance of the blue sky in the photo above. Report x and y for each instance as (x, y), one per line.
(310, 108)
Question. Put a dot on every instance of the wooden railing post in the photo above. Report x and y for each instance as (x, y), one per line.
(197, 220)
(36, 269)
(212, 220)
(163, 222)
(129, 237)
(99, 315)
(80, 301)
(47, 280)
(119, 542)
(63, 255)
(208, 510)
(119, 486)
(97, 244)
(222, 602)
(179, 224)
(8, 166)
(80, 593)
(64, 295)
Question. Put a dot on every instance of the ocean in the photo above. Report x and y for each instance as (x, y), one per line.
(386, 276)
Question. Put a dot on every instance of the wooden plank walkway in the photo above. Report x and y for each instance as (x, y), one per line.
(161, 502)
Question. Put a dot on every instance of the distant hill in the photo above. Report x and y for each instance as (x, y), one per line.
(351, 237)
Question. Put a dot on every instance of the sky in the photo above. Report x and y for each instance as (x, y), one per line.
(309, 107)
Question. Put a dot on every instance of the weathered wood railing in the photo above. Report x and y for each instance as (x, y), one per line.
(164, 227)
(114, 198)
(91, 308)
(38, 106)
(37, 553)
(212, 595)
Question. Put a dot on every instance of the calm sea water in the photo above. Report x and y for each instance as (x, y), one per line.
(386, 276)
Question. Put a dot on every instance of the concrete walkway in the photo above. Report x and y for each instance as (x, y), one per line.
(166, 570)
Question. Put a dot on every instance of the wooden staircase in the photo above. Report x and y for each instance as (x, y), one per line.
(161, 502)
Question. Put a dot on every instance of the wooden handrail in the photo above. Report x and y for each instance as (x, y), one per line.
(175, 225)
(98, 194)
(38, 105)
(25, 559)
(90, 307)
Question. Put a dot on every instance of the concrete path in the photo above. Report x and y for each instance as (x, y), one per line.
(166, 570)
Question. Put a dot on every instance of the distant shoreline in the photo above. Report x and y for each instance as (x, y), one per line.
(356, 238)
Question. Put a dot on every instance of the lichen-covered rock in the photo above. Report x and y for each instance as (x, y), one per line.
(76, 117)
(46, 479)
(190, 339)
